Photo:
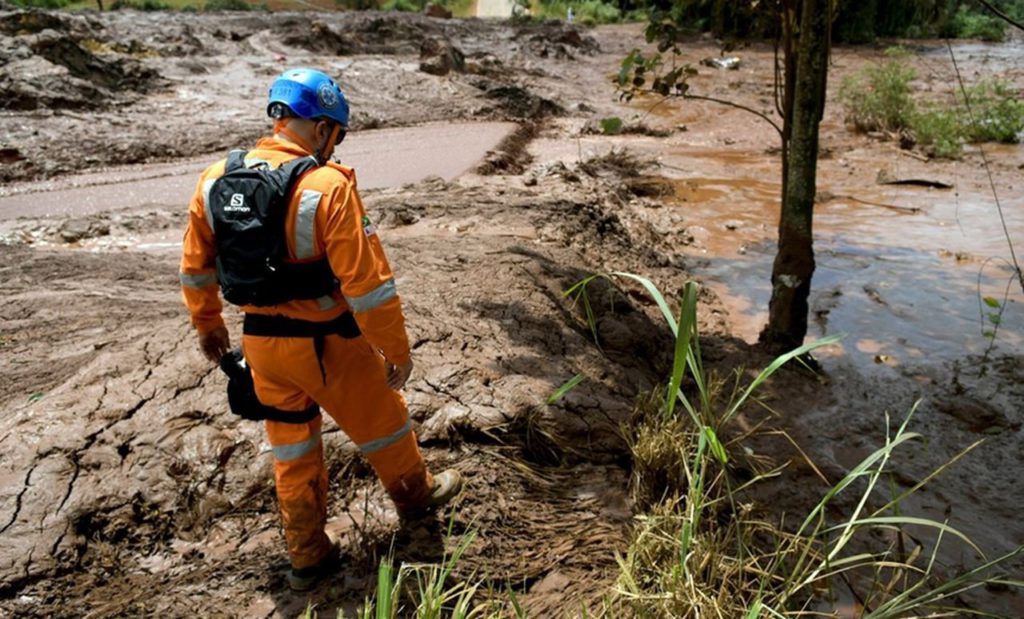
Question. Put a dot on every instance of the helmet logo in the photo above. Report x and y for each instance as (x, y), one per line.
(327, 96)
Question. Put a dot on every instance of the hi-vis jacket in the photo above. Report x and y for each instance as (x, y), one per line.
(325, 216)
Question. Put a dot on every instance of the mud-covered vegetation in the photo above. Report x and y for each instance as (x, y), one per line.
(881, 98)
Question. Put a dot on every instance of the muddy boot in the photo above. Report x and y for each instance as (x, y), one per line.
(447, 485)
(306, 578)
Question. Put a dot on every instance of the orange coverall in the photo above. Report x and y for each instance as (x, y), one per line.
(325, 216)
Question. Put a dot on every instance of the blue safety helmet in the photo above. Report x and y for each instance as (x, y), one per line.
(307, 93)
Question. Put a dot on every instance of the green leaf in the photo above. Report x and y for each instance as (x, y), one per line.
(717, 449)
(611, 125)
(991, 302)
(687, 316)
(566, 387)
(995, 319)
(35, 397)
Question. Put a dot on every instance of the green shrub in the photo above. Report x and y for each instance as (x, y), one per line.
(939, 130)
(998, 113)
(227, 5)
(402, 5)
(967, 24)
(588, 12)
(877, 98)
(41, 4)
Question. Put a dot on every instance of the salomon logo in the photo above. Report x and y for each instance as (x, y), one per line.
(237, 204)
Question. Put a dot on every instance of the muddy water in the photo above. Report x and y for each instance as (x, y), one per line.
(901, 269)
(382, 158)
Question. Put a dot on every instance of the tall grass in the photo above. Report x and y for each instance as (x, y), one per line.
(699, 548)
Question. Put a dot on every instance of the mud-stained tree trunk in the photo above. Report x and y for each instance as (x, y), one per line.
(805, 103)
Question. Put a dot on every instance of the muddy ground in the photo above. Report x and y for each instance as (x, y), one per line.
(127, 488)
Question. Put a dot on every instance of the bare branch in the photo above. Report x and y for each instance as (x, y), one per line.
(738, 106)
(998, 13)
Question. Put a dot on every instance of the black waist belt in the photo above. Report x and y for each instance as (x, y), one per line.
(282, 326)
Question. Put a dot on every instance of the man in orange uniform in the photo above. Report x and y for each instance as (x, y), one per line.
(307, 351)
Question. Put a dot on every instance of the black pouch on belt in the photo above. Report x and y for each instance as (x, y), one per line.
(242, 394)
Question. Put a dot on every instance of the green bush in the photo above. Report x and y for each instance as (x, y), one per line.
(227, 5)
(402, 5)
(588, 12)
(144, 5)
(939, 131)
(41, 4)
(967, 24)
(877, 98)
(998, 113)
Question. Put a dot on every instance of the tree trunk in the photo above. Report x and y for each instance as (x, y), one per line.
(794, 262)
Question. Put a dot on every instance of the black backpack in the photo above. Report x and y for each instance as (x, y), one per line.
(248, 208)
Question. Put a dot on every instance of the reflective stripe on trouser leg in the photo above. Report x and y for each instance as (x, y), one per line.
(301, 485)
(374, 416)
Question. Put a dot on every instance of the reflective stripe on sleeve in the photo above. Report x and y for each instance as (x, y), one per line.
(197, 281)
(326, 303)
(207, 186)
(295, 451)
(387, 441)
(377, 296)
(305, 219)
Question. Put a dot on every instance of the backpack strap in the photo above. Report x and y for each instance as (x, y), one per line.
(236, 160)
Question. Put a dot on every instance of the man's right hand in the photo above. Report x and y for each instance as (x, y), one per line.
(398, 374)
(215, 343)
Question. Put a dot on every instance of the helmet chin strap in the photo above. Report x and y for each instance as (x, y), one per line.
(329, 141)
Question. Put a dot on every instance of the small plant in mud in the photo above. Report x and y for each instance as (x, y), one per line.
(879, 97)
(431, 590)
(701, 549)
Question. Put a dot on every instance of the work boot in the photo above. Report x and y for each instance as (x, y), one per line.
(304, 579)
(447, 485)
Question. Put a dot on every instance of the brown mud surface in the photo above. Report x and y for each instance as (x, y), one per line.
(127, 487)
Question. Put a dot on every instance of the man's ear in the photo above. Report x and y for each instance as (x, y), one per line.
(323, 131)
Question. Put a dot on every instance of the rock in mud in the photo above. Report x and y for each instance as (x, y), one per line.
(558, 40)
(518, 102)
(48, 68)
(74, 230)
(31, 22)
(732, 63)
(319, 37)
(440, 57)
(438, 11)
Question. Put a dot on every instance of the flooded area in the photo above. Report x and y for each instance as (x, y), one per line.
(901, 269)
(381, 158)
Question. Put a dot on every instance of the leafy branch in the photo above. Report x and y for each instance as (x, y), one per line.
(646, 74)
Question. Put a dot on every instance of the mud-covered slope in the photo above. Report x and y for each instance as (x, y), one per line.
(89, 89)
(122, 468)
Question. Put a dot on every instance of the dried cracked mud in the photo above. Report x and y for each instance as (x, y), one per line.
(127, 487)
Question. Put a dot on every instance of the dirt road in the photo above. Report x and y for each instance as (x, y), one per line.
(127, 488)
